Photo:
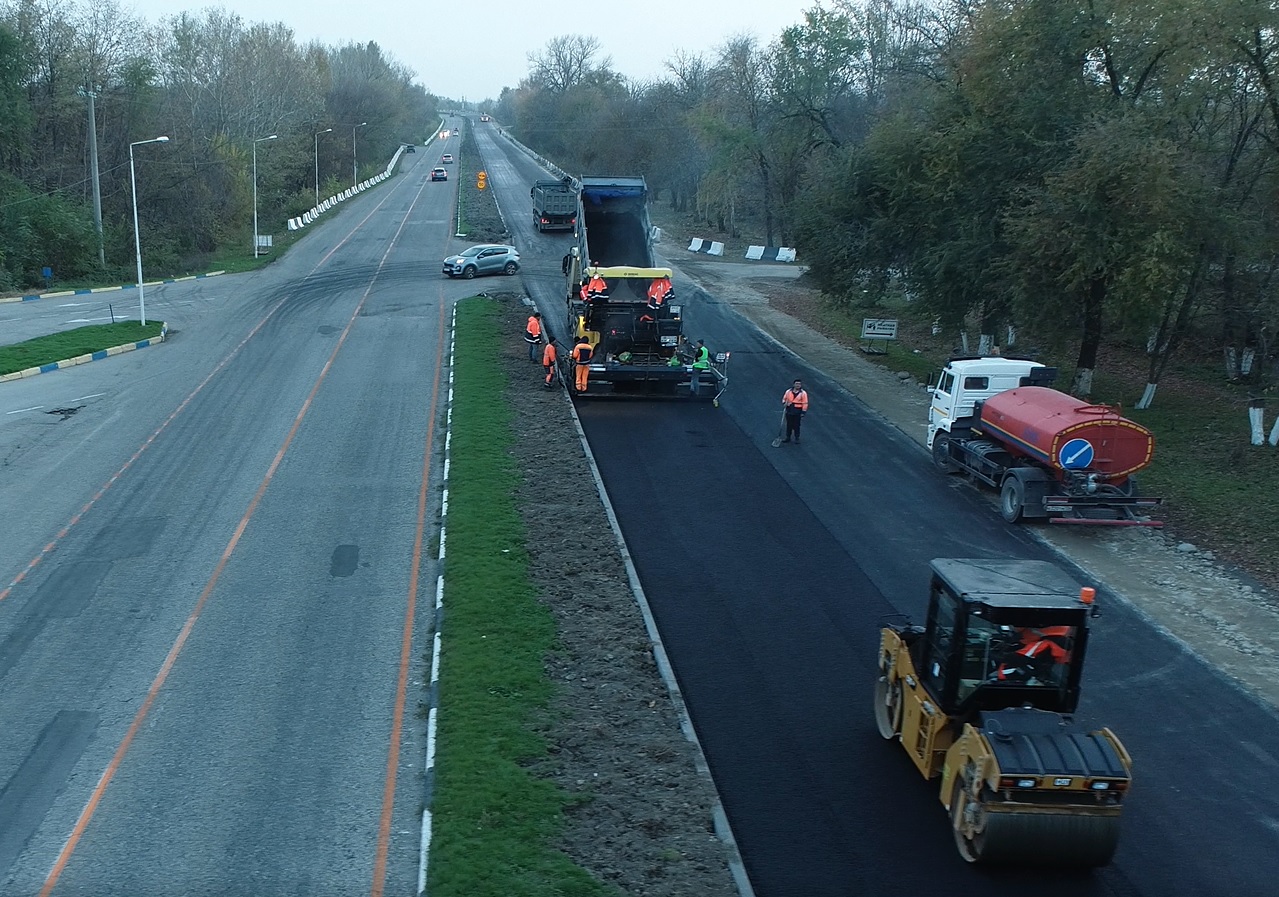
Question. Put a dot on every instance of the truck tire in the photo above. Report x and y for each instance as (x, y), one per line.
(1012, 498)
(941, 453)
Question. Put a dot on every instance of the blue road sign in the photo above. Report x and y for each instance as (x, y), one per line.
(1075, 454)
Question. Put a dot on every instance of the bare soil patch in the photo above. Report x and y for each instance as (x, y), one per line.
(644, 821)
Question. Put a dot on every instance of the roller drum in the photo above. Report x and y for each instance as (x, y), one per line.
(1040, 839)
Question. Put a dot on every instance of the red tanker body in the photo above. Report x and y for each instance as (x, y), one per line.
(1061, 432)
(1051, 456)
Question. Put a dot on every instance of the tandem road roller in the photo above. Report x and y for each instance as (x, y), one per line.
(981, 697)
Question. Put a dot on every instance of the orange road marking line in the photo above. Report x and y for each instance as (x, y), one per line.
(86, 815)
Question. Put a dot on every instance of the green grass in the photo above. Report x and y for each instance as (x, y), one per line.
(71, 343)
(495, 822)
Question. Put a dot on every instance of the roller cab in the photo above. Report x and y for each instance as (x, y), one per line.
(981, 696)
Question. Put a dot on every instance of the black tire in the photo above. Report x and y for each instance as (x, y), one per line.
(469, 272)
(941, 453)
(1011, 499)
(510, 269)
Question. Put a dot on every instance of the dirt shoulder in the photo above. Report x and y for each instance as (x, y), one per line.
(644, 818)
(1222, 615)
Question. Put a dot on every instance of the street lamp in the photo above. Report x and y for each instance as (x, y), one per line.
(137, 240)
(255, 190)
(355, 169)
(317, 166)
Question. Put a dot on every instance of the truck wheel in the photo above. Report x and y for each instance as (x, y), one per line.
(941, 453)
(469, 272)
(1011, 499)
(510, 268)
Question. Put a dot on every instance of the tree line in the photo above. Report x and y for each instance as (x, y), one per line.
(213, 84)
(1076, 169)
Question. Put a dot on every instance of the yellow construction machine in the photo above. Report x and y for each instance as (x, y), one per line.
(981, 697)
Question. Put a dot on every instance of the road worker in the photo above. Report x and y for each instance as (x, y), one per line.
(596, 289)
(795, 405)
(701, 362)
(549, 356)
(659, 292)
(1039, 651)
(533, 334)
(582, 362)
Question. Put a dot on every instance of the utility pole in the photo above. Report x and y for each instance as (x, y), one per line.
(93, 169)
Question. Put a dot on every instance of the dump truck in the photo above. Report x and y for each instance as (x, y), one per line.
(638, 343)
(981, 697)
(1052, 456)
(554, 205)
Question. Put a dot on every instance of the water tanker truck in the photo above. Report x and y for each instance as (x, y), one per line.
(622, 303)
(1052, 456)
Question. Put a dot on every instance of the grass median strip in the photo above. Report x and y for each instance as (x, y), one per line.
(495, 822)
(70, 344)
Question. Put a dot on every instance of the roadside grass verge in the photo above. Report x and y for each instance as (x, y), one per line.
(71, 343)
(494, 822)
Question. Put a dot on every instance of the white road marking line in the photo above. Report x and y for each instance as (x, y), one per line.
(24, 410)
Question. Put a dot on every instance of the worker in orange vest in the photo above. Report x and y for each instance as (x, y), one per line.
(533, 334)
(795, 405)
(659, 292)
(582, 361)
(597, 289)
(549, 357)
(1040, 649)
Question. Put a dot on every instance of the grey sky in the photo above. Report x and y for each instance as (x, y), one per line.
(467, 50)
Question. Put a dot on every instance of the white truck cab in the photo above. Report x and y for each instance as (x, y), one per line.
(966, 381)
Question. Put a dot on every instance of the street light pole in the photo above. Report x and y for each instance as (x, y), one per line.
(137, 239)
(255, 190)
(317, 166)
(355, 168)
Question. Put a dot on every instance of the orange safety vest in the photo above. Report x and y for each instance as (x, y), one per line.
(597, 288)
(549, 355)
(795, 402)
(1038, 644)
(659, 291)
(582, 353)
(533, 330)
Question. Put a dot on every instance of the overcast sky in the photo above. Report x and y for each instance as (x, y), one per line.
(473, 50)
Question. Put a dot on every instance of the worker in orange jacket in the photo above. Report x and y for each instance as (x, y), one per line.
(1040, 649)
(549, 356)
(533, 334)
(795, 406)
(659, 292)
(582, 353)
(597, 289)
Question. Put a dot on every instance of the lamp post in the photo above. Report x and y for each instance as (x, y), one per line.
(255, 190)
(317, 166)
(137, 239)
(355, 169)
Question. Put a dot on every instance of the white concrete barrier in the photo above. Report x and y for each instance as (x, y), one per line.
(695, 245)
(755, 252)
(716, 248)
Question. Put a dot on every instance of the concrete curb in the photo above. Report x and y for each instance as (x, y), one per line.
(126, 286)
(85, 359)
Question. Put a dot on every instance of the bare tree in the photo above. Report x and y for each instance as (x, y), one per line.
(566, 62)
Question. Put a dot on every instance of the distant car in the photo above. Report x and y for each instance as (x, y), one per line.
(439, 174)
(410, 148)
(486, 258)
(457, 131)
(447, 158)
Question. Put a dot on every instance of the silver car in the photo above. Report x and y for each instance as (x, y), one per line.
(486, 258)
